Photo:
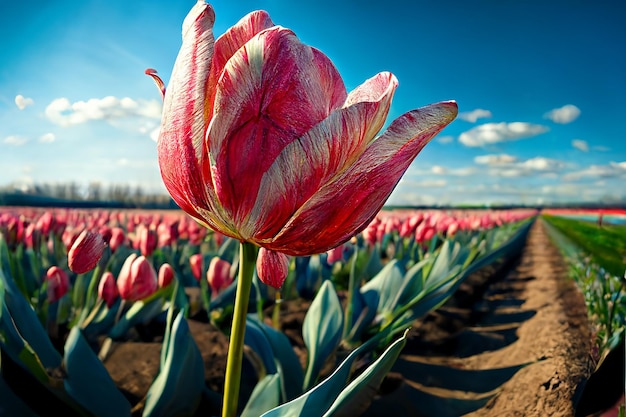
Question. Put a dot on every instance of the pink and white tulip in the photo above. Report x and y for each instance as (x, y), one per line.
(261, 141)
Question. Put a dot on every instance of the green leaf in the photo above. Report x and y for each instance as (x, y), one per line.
(257, 340)
(177, 389)
(87, 380)
(316, 401)
(321, 330)
(360, 392)
(13, 344)
(288, 363)
(264, 397)
(140, 312)
(26, 321)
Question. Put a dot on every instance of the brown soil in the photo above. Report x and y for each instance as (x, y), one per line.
(518, 346)
(513, 341)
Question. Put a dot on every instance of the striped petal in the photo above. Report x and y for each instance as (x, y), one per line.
(323, 153)
(181, 150)
(346, 205)
(272, 91)
(230, 42)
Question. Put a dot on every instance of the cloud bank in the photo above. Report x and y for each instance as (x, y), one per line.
(492, 133)
(64, 113)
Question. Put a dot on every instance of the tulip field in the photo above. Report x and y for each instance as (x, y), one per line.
(76, 284)
(283, 286)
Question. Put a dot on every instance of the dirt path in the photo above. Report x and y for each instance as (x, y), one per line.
(514, 342)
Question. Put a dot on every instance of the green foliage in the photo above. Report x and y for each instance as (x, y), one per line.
(177, 388)
(605, 244)
(88, 381)
(322, 330)
(604, 292)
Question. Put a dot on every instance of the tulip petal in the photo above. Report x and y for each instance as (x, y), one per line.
(346, 205)
(322, 153)
(272, 91)
(230, 42)
(180, 146)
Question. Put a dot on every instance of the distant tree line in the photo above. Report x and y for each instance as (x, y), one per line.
(93, 194)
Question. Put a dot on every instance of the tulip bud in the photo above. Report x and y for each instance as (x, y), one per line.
(85, 252)
(452, 229)
(335, 255)
(146, 239)
(107, 288)
(218, 274)
(58, 283)
(166, 275)
(272, 267)
(137, 278)
(195, 261)
(117, 238)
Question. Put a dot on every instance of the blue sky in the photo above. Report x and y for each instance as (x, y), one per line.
(540, 87)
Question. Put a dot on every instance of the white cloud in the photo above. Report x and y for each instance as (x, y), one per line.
(474, 115)
(542, 164)
(431, 183)
(563, 115)
(492, 133)
(445, 139)
(111, 109)
(22, 102)
(601, 148)
(581, 145)
(612, 170)
(509, 166)
(47, 138)
(439, 170)
(495, 159)
(15, 140)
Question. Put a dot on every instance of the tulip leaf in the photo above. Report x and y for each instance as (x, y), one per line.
(256, 339)
(13, 344)
(88, 381)
(177, 389)
(356, 397)
(321, 330)
(412, 285)
(26, 320)
(140, 312)
(385, 285)
(316, 401)
(286, 359)
(264, 397)
(103, 320)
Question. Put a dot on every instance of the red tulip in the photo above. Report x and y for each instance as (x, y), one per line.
(218, 274)
(335, 255)
(272, 267)
(58, 283)
(118, 237)
(261, 141)
(146, 239)
(107, 288)
(137, 278)
(166, 275)
(197, 267)
(85, 252)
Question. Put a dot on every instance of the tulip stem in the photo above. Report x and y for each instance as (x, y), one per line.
(247, 263)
